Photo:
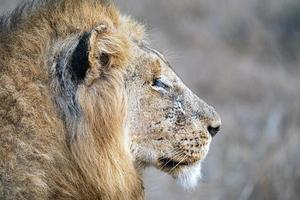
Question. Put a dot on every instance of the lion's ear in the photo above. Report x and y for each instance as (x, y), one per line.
(86, 54)
(108, 47)
(99, 54)
(97, 51)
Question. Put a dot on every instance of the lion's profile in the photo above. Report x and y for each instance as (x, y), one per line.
(86, 104)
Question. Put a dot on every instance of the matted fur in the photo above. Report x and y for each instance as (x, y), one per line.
(36, 162)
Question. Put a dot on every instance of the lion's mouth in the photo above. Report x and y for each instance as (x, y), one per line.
(168, 163)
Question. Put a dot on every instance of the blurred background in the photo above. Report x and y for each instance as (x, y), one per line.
(242, 57)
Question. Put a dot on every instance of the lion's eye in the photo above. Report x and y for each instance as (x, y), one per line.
(159, 84)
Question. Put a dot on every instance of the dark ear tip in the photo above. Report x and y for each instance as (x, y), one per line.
(79, 60)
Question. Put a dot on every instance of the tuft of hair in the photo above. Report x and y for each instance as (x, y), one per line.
(189, 177)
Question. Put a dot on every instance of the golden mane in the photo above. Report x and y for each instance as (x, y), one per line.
(38, 157)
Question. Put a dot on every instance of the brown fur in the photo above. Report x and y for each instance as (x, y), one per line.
(36, 162)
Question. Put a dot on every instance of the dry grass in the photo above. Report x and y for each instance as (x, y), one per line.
(243, 57)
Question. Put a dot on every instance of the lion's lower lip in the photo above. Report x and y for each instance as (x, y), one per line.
(168, 163)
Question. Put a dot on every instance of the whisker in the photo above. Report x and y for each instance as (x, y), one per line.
(179, 163)
(170, 160)
(179, 153)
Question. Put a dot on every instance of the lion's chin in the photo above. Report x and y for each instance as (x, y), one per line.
(189, 176)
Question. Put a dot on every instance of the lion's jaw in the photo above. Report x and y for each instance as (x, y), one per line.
(187, 173)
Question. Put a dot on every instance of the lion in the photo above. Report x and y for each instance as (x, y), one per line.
(86, 105)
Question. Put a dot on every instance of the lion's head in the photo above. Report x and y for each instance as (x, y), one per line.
(117, 73)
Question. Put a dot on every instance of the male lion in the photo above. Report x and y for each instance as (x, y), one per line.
(86, 104)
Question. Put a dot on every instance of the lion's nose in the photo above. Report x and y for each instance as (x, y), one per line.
(213, 122)
(213, 130)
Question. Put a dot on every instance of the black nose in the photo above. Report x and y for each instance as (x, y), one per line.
(213, 130)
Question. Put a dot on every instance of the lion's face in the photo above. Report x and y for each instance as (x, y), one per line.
(171, 128)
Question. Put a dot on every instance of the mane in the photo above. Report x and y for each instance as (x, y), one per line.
(93, 165)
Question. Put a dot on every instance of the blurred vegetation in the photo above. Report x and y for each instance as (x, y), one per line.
(243, 57)
(279, 32)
